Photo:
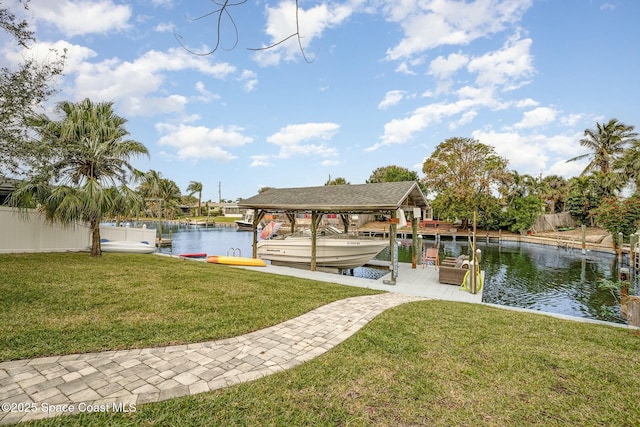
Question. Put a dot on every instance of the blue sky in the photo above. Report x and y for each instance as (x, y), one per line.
(388, 82)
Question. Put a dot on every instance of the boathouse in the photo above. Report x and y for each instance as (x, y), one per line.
(386, 198)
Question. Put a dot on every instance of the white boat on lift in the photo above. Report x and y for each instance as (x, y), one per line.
(333, 249)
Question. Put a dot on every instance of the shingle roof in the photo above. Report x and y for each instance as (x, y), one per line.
(340, 198)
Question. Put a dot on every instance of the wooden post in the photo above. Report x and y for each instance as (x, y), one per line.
(414, 234)
(314, 239)
(620, 240)
(633, 241)
(474, 261)
(257, 217)
(584, 239)
(393, 229)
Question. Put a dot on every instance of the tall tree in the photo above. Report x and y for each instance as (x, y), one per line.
(629, 164)
(162, 195)
(464, 172)
(22, 90)
(513, 185)
(554, 191)
(584, 195)
(392, 173)
(606, 143)
(88, 169)
(196, 187)
(337, 181)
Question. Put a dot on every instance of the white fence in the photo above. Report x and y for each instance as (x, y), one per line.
(551, 222)
(29, 231)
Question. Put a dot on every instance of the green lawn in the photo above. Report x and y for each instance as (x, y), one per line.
(60, 303)
(423, 363)
(432, 363)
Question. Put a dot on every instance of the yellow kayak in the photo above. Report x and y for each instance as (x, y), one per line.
(236, 260)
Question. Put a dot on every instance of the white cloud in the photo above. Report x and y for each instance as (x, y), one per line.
(281, 23)
(535, 153)
(249, 79)
(540, 116)
(205, 95)
(443, 68)
(510, 66)
(571, 119)
(198, 142)
(165, 27)
(427, 25)
(260, 160)
(290, 139)
(149, 106)
(526, 103)
(567, 170)
(391, 98)
(465, 119)
(42, 52)
(133, 83)
(163, 3)
(525, 154)
(403, 68)
(75, 18)
(294, 134)
(399, 131)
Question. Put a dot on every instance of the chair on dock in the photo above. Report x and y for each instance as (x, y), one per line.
(452, 273)
(431, 255)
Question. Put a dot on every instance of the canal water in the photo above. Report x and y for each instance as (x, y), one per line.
(538, 277)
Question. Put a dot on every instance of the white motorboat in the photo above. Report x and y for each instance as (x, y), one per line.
(127, 247)
(246, 223)
(333, 250)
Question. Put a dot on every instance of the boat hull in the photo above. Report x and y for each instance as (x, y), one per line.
(236, 260)
(330, 252)
(244, 225)
(125, 246)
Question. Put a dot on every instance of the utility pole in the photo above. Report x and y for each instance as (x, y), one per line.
(219, 191)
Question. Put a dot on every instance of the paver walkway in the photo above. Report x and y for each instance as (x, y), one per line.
(120, 380)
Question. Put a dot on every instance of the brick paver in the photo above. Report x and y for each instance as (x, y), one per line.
(123, 379)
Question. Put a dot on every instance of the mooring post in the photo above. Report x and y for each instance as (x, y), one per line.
(620, 240)
(414, 231)
(633, 264)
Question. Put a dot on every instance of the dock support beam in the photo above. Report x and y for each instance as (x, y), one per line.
(414, 234)
(257, 217)
(315, 221)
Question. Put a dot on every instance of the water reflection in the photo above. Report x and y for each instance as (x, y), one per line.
(537, 277)
(548, 279)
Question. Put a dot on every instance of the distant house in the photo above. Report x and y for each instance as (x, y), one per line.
(7, 185)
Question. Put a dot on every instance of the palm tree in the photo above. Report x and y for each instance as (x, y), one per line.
(196, 187)
(629, 164)
(171, 196)
(555, 191)
(89, 167)
(607, 143)
(159, 190)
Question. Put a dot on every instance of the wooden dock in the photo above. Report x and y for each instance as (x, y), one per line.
(419, 281)
(164, 243)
